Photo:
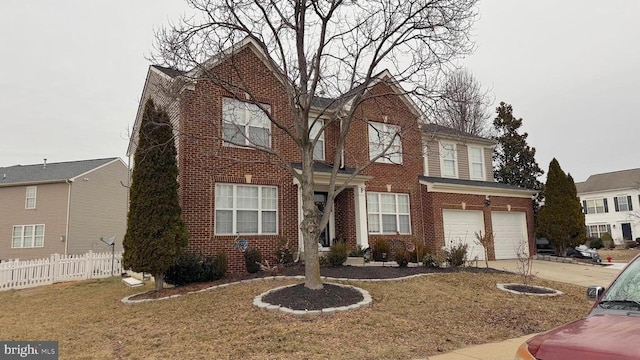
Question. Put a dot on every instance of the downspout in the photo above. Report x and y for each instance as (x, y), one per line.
(66, 235)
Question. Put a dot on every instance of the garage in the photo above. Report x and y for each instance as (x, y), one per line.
(460, 226)
(509, 234)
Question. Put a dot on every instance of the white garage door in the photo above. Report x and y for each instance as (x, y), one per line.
(460, 226)
(509, 234)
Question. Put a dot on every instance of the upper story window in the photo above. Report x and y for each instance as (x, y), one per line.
(27, 236)
(448, 160)
(384, 136)
(318, 150)
(388, 213)
(623, 203)
(30, 200)
(245, 124)
(246, 209)
(595, 206)
(476, 163)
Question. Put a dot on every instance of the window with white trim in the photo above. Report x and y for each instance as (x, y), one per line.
(388, 213)
(318, 150)
(246, 209)
(448, 159)
(30, 199)
(385, 136)
(27, 236)
(245, 124)
(596, 206)
(623, 203)
(598, 230)
(476, 163)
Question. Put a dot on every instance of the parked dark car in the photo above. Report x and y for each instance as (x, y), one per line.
(543, 246)
(583, 252)
(610, 331)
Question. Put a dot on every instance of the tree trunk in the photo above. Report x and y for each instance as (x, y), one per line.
(159, 279)
(309, 228)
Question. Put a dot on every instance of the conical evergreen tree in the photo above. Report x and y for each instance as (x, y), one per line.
(155, 233)
(560, 219)
(514, 160)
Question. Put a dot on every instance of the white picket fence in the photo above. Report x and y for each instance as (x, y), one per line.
(20, 274)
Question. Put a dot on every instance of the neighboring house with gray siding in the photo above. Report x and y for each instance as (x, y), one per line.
(62, 208)
(611, 203)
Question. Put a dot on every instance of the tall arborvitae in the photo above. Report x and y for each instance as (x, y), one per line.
(560, 219)
(156, 233)
(514, 160)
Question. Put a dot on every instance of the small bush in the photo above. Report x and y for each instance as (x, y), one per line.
(357, 252)
(402, 257)
(338, 253)
(431, 261)
(381, 246)
(456, 254)
(284, 255)
(420, 250)
(323, 260)
(252, 258)
(595, 243)
(190, 268)
(607, 241)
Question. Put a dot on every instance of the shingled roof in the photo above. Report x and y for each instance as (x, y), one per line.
(444, 130)
(624, 179)
(52, 172)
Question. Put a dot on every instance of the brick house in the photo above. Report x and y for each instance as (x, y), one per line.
(62, 207)
(226, 190)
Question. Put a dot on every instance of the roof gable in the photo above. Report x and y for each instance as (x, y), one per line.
(51, 172)
(624, 179)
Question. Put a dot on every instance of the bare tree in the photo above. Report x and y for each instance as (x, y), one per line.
(329, 55)
(463, 104)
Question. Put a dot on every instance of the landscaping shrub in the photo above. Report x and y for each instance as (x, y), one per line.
(252, 258)
(431, 261)
(190, 268)
(323, 260)
(337, 253)
(402, 257)
(420, 250)
(595, 243)
(456, 254)
(357, 252)
(607, 241)
(381, 246)
(284, 255)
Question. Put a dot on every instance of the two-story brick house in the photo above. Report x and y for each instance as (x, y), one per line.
(226, 190)
(62, 207)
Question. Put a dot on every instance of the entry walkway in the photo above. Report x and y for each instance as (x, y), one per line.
(578, 274)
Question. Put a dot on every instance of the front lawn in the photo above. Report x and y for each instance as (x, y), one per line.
(619, 255)
(408, 319)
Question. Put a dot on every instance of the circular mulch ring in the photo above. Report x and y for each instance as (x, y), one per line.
(522, 289)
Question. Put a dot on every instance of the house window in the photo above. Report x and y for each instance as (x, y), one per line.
(246, 209)
(30, 201)
(388, 213)
(448, 160)
(27, 236)
(623, 203)
(245, 124)
(598, 230)
(476, 163)
(596, 206)
(318, 150)
(384, 141)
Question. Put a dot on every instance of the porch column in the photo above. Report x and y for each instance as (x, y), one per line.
(300, 239)
(360, 201)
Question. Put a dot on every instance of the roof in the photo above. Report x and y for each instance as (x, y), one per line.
(487, 184)
(169, 71)
(623, 179)
(451, 132)
(52, 172)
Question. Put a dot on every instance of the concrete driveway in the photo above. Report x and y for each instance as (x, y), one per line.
(578, 274)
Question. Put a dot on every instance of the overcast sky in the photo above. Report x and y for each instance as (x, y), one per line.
(71, 75)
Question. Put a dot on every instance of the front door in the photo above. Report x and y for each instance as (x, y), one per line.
(321, 202)
(626, 231)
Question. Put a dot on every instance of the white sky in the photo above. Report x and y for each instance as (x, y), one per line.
(71, 74)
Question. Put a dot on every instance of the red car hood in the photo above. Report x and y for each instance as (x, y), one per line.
(598, 337)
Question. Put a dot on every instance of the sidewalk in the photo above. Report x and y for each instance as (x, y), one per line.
(578, 274)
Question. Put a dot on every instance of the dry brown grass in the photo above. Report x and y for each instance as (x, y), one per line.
(619, 255)
(408, 319)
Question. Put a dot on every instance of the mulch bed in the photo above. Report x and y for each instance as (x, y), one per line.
(529, 289)
(349, 272)
(298, 297)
